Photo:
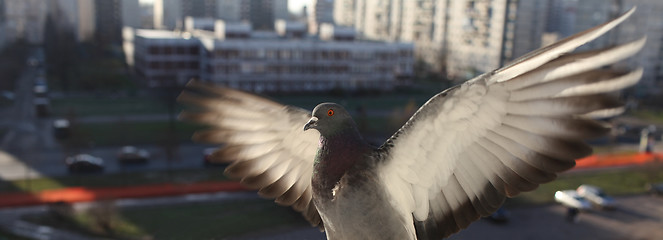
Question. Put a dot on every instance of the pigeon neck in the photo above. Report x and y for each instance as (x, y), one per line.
(337, 154)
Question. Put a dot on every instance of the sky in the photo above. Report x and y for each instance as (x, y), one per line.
(293, 5)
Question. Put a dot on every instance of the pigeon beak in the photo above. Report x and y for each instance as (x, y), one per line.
(311, 123)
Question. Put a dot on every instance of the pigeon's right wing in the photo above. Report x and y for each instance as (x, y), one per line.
(503, 132)
(262, 139)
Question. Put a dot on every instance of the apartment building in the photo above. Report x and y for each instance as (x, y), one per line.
(461, 38)
(320, 12)
(647, 21)
(344, 12)
(236, 56)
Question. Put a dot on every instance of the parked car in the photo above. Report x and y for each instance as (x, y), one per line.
(61, 128)
(596, 196)
(655, 188)
(132, 155)
(570, 198)
(84, 163)
(42, 106)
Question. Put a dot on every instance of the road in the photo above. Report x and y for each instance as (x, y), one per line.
(637, 217)
(29, 150)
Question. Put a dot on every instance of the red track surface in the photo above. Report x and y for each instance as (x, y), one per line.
(598, 161)
(80, 194)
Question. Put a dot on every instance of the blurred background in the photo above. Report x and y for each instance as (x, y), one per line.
(90, 147)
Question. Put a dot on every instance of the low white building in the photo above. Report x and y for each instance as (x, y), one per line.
(163, 57)
(261, 61)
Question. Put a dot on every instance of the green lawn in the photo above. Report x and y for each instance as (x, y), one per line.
(652, 116)
(108, 106)
(613, 182)
(113, 180)
(5, 235)
(209, 220)
(132, 133)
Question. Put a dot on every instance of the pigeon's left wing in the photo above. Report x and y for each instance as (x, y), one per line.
(262, 139)
(502, 133)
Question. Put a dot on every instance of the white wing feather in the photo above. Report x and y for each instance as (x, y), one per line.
(264, 141)
(502, 133)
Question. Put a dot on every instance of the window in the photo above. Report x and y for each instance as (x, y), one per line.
(181, 50)
(153, 50)
(193, 50)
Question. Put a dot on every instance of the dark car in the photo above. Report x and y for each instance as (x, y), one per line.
(132, 155)
(655, 188)
(84, 163)
(61, 128)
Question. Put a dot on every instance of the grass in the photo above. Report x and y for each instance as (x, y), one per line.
(613, 182)
(133, 133)
(652, 116)
(5, 235)
(108, 106)
(113, 180)
(208, 220)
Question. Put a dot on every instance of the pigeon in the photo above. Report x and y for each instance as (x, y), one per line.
(456, 159)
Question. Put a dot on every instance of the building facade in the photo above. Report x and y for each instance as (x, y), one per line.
(3, 31)
(344, 12)
(237, 57)
(229, 10)
(167, 14)
(647, 21)
(460, 38)
(321, 11)
(25, 19)
(162, 58)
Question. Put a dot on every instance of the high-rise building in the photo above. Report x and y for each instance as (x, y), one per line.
(260, 13)
(3, 33)
(229, 10)
(131, 14)
(322, 11)
(567, 17)
(462, 37)
(647, 21)
(86, 21)
(25, 20)
(168, 14)
(482, 35)
(281, 9)
(344, 12)
(199, 8)
(108, 21)
(76, 15)
(378, 19)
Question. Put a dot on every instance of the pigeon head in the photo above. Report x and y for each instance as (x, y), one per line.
(330, 119)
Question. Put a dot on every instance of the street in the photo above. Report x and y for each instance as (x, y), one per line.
(28, 149)
(637, 217)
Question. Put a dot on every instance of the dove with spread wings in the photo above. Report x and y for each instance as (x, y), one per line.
(456, 159)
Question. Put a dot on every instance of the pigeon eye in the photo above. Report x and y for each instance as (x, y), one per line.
(330, 112)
